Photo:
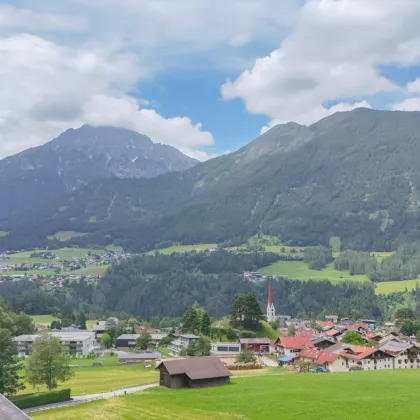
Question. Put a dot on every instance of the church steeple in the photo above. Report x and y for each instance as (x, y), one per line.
(271, 311)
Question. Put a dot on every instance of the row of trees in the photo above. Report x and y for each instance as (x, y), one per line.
(317, 257)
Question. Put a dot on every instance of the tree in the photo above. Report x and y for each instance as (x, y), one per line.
(352, 337)
(48, 363)
(405, 313)
(203, 347)
(205, 324)
(305, 366)
(191, 321)
(291, 330)
(106, 341)
(317, 257)
(143, 341)
(245, 312)
(56, 325)
(24, 324)
(82, 321)
(111, 328)
(246, 356)
(154, 322)
(10, 381)
(191, 349)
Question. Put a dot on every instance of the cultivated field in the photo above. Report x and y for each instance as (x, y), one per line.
(298, 270)
(374, 395)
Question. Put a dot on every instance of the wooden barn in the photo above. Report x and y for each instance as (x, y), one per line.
(196, 372)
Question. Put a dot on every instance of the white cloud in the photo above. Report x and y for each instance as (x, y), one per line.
(46, 88)
(333, 54)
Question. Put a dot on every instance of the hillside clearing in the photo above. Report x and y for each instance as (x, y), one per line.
(43, 319)
(388, 287)
(93, 270)
(183, 248)
(374, 395)
(298, 270)
(3, 233)
(66, 235)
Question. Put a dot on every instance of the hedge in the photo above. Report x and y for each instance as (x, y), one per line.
(35, 400)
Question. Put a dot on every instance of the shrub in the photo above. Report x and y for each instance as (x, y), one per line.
(35, 400)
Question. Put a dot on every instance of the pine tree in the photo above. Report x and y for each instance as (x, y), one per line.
(191, 321)
(291, 331)
(205, 324)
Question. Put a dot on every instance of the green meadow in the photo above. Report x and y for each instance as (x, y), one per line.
(43, 319)
(66, 235)
(183, 248)
(298, 270)
(3, 233)
(388, 287)
(373, 395)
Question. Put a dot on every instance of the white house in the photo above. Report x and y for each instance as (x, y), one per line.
(225, 349)
(406, 355)
(182, 341)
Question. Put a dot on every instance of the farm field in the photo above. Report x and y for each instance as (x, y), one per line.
(43, 319)
(104, 378)
(183, 248)
(388, 287)
(374, 395)
(66, 235)
(298, 270)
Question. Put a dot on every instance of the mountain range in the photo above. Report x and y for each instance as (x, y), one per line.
(353, 174)
(78, 157)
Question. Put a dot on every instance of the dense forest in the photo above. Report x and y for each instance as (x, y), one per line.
(354, 175)
(165, 285)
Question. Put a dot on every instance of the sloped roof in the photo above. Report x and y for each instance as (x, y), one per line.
(333, 332)
(205, 367)
(351, 351)
(266, 341)
(396, 347)
(319, 357)
(324, 324)
(8, 411)
(298, 342)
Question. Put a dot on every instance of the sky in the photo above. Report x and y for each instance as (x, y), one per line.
(205, 76)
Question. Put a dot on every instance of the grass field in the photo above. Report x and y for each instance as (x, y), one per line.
(183, 248)
(94, 270)
(105, 378)
(3, 233)
(43, 319)
(388, 287)
(298, 270)
(374, 395)
(66, 235)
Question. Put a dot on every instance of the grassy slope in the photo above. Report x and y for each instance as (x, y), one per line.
(95, 270)
(267, 331)
(2, 233)
(43, 319)
(374, 395)
(66, 235)
(396, 286)
(298, 270)
(184, 248)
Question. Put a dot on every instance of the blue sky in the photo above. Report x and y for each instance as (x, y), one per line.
(206, 76)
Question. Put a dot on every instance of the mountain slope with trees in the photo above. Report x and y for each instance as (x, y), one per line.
(78, 157)
(355, 175)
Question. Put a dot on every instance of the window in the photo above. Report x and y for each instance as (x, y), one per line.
(399, 361)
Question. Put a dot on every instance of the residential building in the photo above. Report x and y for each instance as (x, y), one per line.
(225, 349)
(78, 343)
(195, 372)
(323, 342)
(332, 318)
(330, 361)
(128, 341)
(182, 341)
(292, 346)
(137, 357)
(406, 355)
(8, 411)
(271, 310)
(371, 323)
(255, 344)
(99, 329)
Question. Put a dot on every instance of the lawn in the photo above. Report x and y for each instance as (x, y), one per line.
(3, 233)
(43, 319)
(105, 378)
(183, 248)
(66, 235)
(388, 287)
(298, 270)
(374, 395)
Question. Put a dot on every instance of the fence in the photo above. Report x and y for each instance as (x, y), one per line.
(60, 405)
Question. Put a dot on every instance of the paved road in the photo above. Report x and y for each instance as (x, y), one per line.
(80, 399)
(268, 362)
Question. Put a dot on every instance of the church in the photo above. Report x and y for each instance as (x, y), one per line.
(271, 310)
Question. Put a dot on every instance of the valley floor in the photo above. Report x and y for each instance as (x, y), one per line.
(390, 395)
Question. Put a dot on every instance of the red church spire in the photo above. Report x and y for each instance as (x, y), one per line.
(270, 295)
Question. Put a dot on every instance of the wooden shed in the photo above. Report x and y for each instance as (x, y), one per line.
(194, 372)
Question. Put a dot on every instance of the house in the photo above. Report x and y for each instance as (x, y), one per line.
(78, 343)
(182, 341)
(137, 357)
(142, 329)
(99, 329)
(334, 334)
(195, 372)
(292, 346)
(406, 355)
(332, 318)
(361, 327)
(331, 361)
(8, 411)
(371, 323)
(323, 342)
(225, 349)
(126, 341)
(255, 344)
(326, 325)
(361, 357)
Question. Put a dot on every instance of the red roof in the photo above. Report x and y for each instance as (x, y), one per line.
(319, 357)
(298, 342)
(332, 332)
(351, 351)
(362, 325)
(324, 324)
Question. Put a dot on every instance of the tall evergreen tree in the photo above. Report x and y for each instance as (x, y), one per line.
(205, 324)
(245, 312)
(191, 320)
(10, 381)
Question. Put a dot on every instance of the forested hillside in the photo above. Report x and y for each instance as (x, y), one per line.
(355, 175)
